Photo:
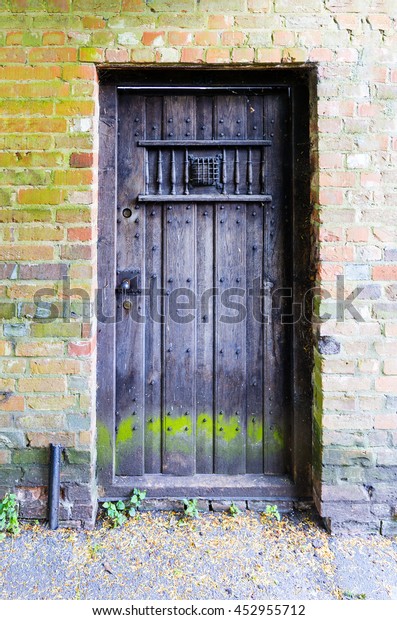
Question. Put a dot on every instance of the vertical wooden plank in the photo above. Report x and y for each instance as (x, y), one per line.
(153, 338)
(255, 327)
(230, 350)
(205, 338)
(106, 285)
(179, 426)
(230, 270)
(277, 352)
(254, 338)
(130, 259)
(153, 130)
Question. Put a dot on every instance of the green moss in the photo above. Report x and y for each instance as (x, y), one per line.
(278, 438)
(124, 431)
(255, 432)
(104, 445)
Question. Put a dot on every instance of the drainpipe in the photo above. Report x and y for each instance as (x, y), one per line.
(54, 486)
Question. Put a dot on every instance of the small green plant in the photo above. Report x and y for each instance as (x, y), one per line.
(347, 594)
(190, 508)
(272, 511)
(115, 513)
(8, 516)
(136, 500)
(234, 510)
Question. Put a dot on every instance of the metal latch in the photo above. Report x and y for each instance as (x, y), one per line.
(130, 282)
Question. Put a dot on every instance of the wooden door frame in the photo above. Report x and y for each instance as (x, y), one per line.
(256, 486)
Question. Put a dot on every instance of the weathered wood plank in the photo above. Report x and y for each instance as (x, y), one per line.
(130, 259)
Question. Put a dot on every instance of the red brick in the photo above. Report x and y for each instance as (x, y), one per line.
(337, 253)
(220, 22)
(26, 252)
(52, 54)
(54, 37)
(217, 55)
(10, 55)
(117, 55)
(40, 196)
(232, 38)
(155, 37)
(81, 160)
(321, 54)
(80, 234)
(384, 272)
(39, 349)
(93, 23)
(82, 176)
(386, 384)
(81, 348)
(74, 108)
(266, 55)
(245, 54)
(192, 54)
(369, 109)
(283, 38)
(9, 402)
(206, 38)
(357, 234)
(42, 384)
(180, 37)
(370, 179)
(337, 179)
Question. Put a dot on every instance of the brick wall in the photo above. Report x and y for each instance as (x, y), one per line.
(48, 122)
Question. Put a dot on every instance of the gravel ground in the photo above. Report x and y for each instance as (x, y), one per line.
(160, 556)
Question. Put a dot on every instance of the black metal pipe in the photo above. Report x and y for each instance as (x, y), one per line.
(54, 486)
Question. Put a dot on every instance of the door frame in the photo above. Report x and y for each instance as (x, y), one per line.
(299, 82)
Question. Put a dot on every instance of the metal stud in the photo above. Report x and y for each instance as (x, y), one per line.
(169, 428)
(168, 413)
(187, 221)
(136, 133)
(154, 127)
(188, 120)
(134, 428)
(254, 213)
(238, 121)
(202, 127)
(238, 134)
(238, 279)
(254, 127)
(205, 213)
(186, 413)
(254, 247)
(238, 208)
(169, 349)
(153, 276)
(222, 134)
(170, 120)
(137, 120)
(188, 279)
(221, 351)
(154, 248)
(221, 279)
(186, 428)
(169, 221)
(253, 420)
(205, 318)
(187, 133)
(169, 207)
(237, 221)
(170, 279)
(222, 207)
(136, 235)
(187, 351)
(152, 213)
(221, 120)
(237, 429)
(204, 420)
(150, 421)
(221, 428)
(221, 413)
(134, 400)
(170, 134)
(221, 221)
(151, 382)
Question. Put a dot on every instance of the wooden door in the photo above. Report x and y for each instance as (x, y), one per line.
(203, 261)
